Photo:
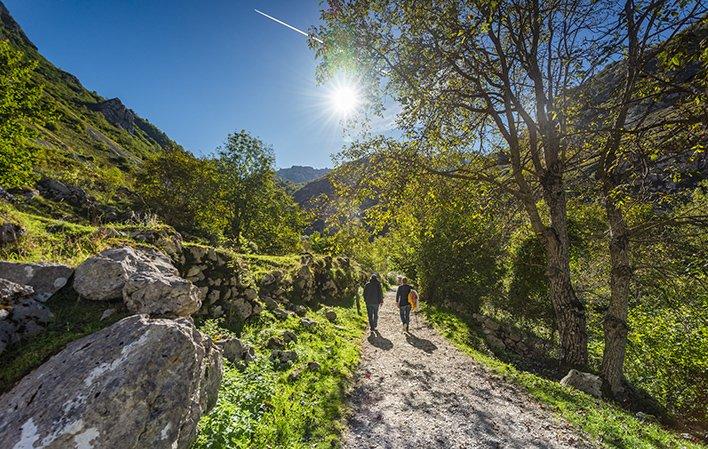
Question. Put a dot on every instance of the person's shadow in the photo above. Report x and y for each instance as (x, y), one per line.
(378, 340)
(421, 343)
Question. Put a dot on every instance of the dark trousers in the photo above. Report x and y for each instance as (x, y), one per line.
(372, 310)
(405, 313)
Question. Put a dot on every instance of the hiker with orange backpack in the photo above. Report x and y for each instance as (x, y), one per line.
(404, 306)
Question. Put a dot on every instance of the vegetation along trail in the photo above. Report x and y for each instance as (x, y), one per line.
(416, 390)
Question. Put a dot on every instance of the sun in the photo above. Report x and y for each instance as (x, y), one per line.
(344, 98)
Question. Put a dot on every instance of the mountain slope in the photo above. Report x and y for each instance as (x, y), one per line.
(91, 142)
(299, 174)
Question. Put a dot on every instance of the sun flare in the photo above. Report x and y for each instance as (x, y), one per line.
(344, 98)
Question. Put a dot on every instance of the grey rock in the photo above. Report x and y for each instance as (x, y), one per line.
(12, 292)
(275, 343)
(20, 315)
(194, 271)
(198, 253)
(308, 323)
(10, 233)
(270, 303)
(145, 279)
(107, 314)
(155, 293)
(102, 277)
(212, 296)
(235, 350)
(495, 343)
(300, 310)
(139, 383)
(288, 336)
(586, 382)
(45, 278)
(331, 316)
(250, 294)
(280, 314)
(282, 359)
(242, 308)
(217, 312)
(313, 366)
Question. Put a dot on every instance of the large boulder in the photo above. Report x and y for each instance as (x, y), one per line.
(155, 293)
(589, 383)
(145, 279)
(102, 277)
(139, 383)
(45, 278)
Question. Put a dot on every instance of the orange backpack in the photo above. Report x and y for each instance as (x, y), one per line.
(413, 299)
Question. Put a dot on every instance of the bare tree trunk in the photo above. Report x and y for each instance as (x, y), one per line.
(569, 310)
(615, 323)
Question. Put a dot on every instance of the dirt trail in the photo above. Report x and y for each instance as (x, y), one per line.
(416, 390)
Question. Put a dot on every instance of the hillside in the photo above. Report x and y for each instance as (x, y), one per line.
(299, 174)
(91, 142)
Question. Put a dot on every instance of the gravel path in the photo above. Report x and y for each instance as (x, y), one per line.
(415, 390)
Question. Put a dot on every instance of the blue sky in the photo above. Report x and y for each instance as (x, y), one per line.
(196, 69)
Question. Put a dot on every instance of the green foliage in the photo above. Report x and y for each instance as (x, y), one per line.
(262, 407)
(603, 421)
(246, 166)
(459, 258)
(187, 192)
(528, 286)
(20, 108)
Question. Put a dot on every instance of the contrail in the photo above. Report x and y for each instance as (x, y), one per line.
(290, 26)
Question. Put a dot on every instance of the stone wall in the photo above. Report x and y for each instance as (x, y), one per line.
(225, 285)
(501, 337)
(230, 290)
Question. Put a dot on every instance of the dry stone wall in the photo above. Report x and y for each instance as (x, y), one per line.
(501, 337)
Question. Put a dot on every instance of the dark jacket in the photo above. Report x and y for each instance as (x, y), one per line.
(402, 294)
(373, 294)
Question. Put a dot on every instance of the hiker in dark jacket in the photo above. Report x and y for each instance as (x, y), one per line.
(402, 301)
(373, 297)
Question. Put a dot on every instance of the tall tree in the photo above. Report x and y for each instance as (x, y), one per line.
(635, 109)
(246, 164)
(475, 76)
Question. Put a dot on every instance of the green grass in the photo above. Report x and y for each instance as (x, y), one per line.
(603, 421)
(73, 319)
(260, 407)
(60, 241)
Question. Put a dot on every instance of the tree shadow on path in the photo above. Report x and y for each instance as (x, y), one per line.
(421, 343)
(381, 342)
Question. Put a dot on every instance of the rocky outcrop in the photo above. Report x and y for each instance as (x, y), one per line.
(116, 113)
(45, 278)
(589, 383)
(139, 383)
(119, 115)
(21, 316)
(58, 191)
(145, 279)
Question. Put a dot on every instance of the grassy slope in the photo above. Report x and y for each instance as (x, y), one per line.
(260, 407)
(79, 145)
(610, 425)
